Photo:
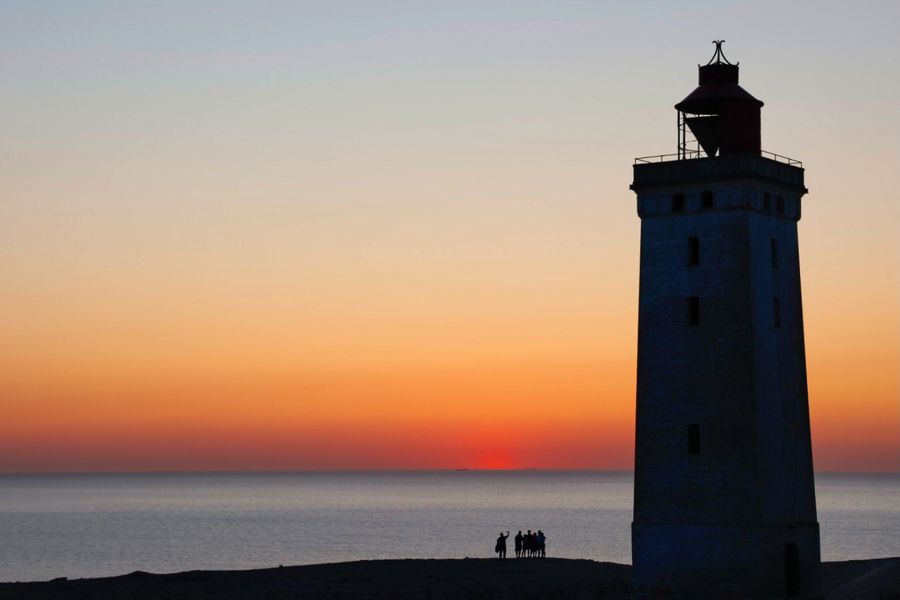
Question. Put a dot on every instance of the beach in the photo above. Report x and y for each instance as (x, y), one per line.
(445, 579)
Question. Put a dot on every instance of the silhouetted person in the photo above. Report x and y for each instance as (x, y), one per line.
(528, 546)
(518, 540)
(500, 548)
(541, 544)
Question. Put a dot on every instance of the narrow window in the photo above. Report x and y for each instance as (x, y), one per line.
(767, 201)
(693, 438)
(678, 202)
(776, 309)
(693, 251)
(694, 311)
(774, 254)
(706, 199)
(791, 570)
(780, 204)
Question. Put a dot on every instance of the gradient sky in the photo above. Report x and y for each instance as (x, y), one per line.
(287, 235)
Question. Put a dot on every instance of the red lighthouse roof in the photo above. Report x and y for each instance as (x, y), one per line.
(718, 81)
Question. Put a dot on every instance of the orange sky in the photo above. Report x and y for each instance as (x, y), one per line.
(488, 375)
(294, 241)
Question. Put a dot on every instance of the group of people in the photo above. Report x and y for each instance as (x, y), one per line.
(528, 545)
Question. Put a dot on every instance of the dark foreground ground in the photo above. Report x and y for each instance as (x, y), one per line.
(463, 579)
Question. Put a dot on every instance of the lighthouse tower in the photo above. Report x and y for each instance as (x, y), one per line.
(724, 504)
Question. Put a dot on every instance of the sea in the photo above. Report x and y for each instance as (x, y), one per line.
(93, 525)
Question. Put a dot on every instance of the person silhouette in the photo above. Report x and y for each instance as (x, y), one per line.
(500, 547)
(541, 544)
(518, 539)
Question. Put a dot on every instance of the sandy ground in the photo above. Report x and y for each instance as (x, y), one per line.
(463, 579)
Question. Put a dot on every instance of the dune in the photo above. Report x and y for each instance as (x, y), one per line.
(456, 579)
(877, 579)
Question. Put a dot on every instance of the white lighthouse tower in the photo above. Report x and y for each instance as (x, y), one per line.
(724, 504)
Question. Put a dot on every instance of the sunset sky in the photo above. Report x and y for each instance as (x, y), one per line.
(354, 235)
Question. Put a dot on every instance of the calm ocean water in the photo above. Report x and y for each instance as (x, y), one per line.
(96, 525)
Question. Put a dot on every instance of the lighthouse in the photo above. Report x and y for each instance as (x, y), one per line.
(724, 503)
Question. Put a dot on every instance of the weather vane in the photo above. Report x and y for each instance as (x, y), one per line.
(718, 58)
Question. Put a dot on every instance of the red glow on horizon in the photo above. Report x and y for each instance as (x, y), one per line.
(496, 461)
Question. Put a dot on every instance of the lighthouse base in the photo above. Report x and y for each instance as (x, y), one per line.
(699, 561)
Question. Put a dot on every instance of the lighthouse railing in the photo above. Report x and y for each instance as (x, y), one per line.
(658, 158)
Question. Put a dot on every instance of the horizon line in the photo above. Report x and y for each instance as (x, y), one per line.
(351, 471)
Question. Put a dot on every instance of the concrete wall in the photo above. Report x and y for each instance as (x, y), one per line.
(721, 561)
(719, 519)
